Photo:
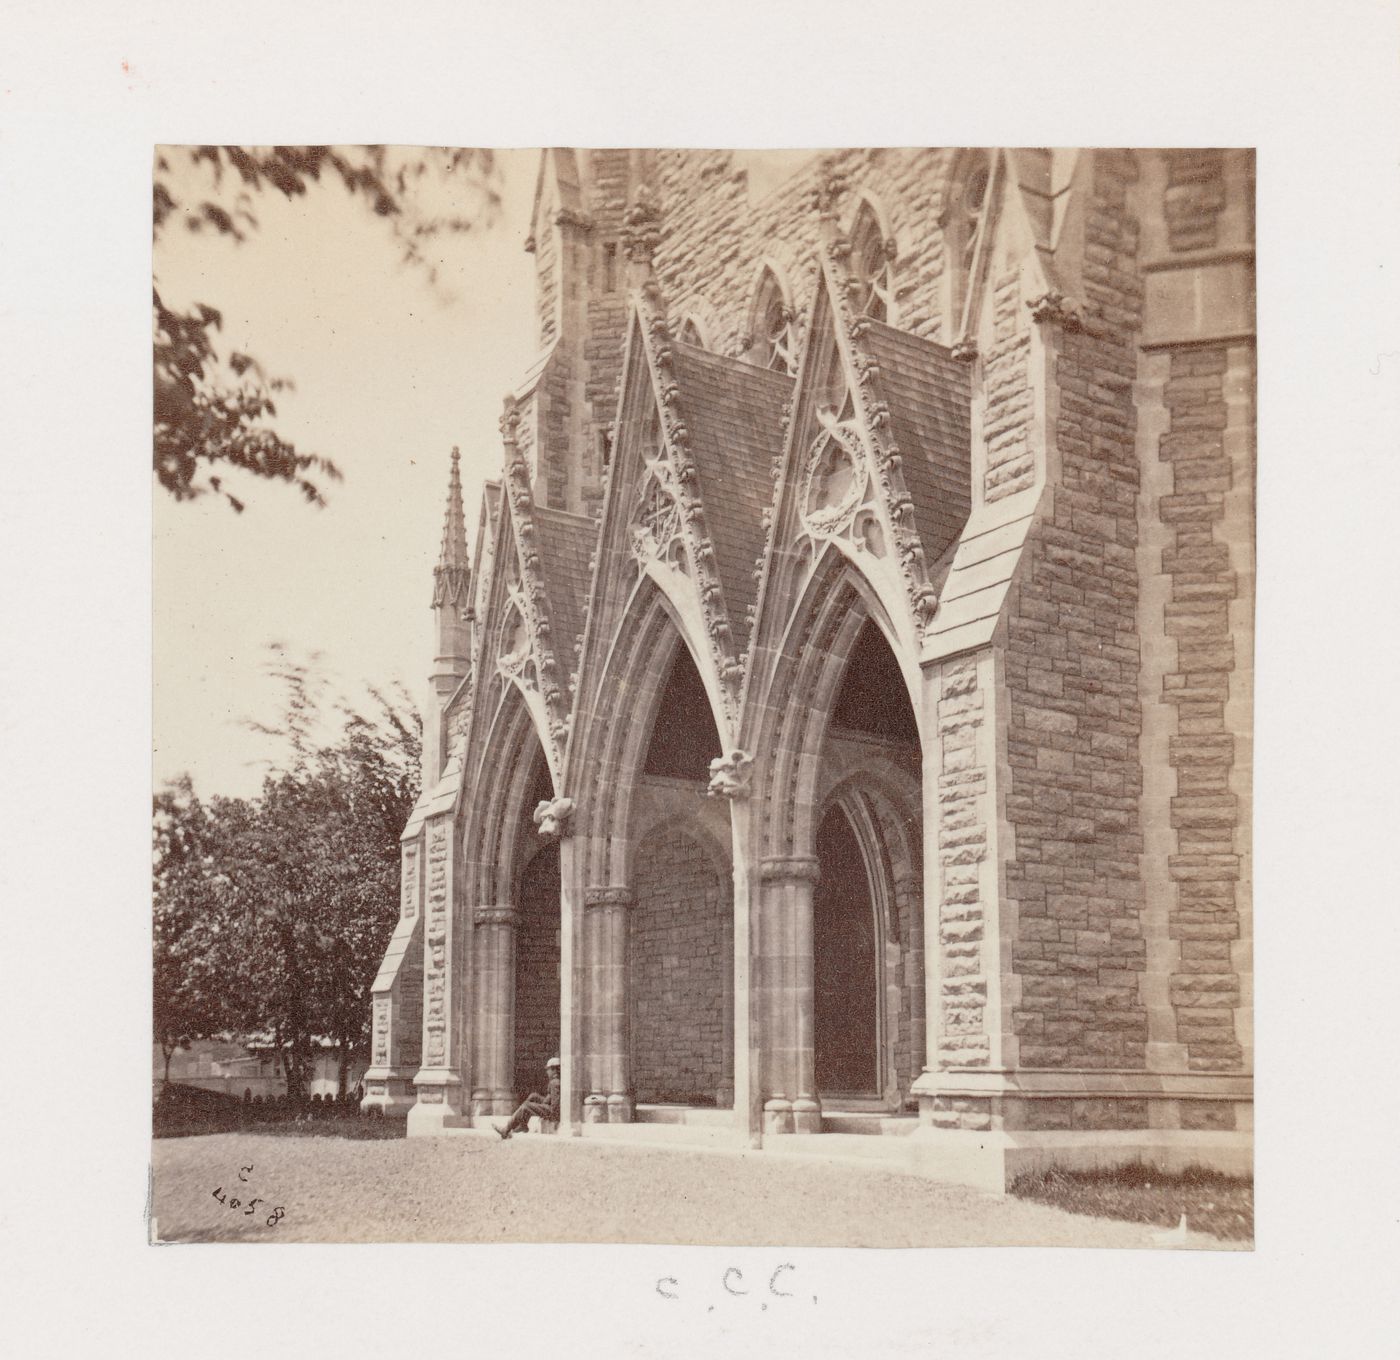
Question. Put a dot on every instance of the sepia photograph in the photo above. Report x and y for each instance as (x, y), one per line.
(703, 696)
(653, 657)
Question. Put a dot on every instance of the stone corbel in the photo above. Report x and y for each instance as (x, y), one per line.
(610, 895)
(731, 776)
(1056, 309)
(552, 815)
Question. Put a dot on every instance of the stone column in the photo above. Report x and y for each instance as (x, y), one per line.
(609, 1099)
(493, 998)
(439, 1080)
(397, 1010)
(786, 996)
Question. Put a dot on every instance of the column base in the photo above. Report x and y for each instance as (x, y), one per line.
(388, 1092)
(806, 1115)
(620, 1109)
(777, 1116)
(992, 1160)
(438, 1101)
(490, 1104)
(595, 1109)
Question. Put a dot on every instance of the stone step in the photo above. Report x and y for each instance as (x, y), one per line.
(697, 1115)
(694, 1135)
(896, 1153)
(878, 1125)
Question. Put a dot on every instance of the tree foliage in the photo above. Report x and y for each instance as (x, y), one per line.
(272, 913)
(214, 412)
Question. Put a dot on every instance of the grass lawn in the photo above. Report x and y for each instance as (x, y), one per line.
(1211, 1202)
(543, 1189)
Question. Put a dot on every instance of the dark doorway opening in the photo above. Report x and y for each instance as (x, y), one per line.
(536, 951)
(846, 1037)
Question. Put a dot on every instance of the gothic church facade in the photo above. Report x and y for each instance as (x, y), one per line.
(841, 725)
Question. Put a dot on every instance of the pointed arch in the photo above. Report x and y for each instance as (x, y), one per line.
(772, 330)
(788, 723)
(873, 253)
(969, 200)
(494, 818)
(614, 743)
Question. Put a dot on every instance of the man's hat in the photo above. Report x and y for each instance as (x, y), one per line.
(553, 1062)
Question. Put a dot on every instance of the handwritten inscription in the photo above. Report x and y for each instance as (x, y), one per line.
(779, 1285)
(249, 1204)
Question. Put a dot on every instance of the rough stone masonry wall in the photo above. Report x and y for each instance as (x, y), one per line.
(714, 238)
(1205, 814)
(1072, 658)
(964, 813)
(681, 950)
(1010, 459)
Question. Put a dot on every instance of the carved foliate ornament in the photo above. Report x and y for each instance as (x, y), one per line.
(731, 775)
(528, 597)
(671, 479)
(836, 481)
(641, 231)
(1055, 308)
(552, 815)
(863, 428)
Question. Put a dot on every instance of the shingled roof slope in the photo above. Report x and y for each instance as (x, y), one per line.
(565, 542)
(734, 412)
(929, 394)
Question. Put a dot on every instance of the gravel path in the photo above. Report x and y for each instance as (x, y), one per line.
(535, 1189)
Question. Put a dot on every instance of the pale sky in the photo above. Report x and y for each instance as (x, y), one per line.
(389, 374)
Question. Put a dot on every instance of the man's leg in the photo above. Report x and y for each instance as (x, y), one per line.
(532, 1104)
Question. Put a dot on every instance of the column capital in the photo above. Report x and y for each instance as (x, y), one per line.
(495, 916)
(612, 895)
(799, 868)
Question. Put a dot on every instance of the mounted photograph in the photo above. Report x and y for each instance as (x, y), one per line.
(703, 696)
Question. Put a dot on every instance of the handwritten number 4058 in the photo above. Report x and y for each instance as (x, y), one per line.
(250, 1206)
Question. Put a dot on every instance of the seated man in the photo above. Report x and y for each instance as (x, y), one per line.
(547, 1107)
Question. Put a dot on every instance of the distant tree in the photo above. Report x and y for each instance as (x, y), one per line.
(188, 994)
(212, 413)
(272, 913)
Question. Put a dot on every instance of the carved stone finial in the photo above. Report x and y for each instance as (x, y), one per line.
(510, 419)
(730, 775)
(1056, 308)
(830, 189)
(642, 227)
(551, 814)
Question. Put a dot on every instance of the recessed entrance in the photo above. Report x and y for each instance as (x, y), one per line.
(537, 957)
(846, 975)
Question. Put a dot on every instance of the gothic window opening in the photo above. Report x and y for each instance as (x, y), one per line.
(774, 332)
(872, 267)
(965, 224)
(689, 333)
